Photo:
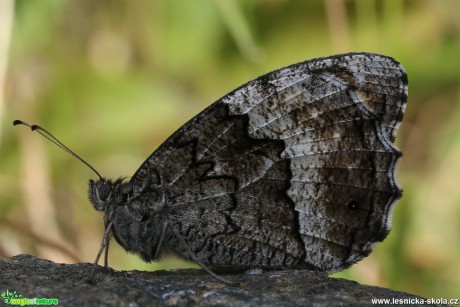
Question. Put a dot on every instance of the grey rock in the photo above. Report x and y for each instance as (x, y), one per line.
(34, 277)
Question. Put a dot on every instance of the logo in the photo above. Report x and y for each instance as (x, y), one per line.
(14, 298)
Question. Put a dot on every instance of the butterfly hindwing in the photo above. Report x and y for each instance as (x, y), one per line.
(293, 169)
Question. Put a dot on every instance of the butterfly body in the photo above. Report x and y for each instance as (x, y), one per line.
(294, 169)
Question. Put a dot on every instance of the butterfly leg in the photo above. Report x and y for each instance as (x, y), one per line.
(106, 254)
(198, 261)
(160, 242)
(104, 245)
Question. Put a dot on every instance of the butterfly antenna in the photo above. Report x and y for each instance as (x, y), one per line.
(54, 140)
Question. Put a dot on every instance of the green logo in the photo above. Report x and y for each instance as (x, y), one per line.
(13, 298)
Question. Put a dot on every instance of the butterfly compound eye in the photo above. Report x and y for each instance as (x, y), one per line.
(99, 194)
(103, 192)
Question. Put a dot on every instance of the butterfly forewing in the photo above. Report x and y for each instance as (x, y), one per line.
(293, 169)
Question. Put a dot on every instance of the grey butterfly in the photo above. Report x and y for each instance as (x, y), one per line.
(294, 169)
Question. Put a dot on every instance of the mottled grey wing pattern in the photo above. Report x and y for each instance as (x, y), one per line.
(293, 169)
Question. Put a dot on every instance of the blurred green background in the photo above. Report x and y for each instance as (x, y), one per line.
(113, 79)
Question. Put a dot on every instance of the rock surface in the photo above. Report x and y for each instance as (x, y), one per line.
(38, 278)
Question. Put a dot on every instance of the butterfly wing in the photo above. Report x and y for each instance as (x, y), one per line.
(293, 169)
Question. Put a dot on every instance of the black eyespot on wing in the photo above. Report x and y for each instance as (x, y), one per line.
(353, 205)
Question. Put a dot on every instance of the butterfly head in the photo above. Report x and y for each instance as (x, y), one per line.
(100, 193)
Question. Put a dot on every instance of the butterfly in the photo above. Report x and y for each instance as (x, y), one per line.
(294, 169)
